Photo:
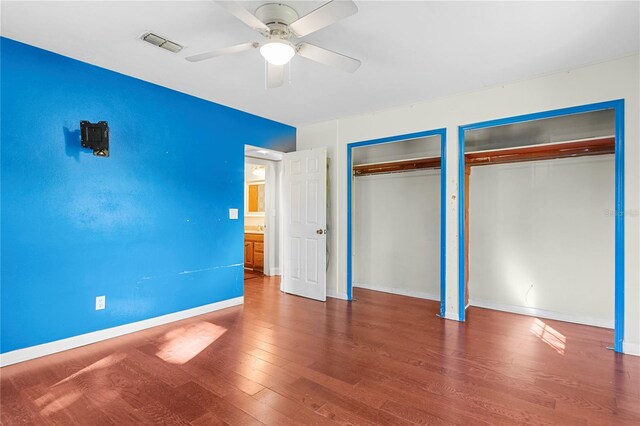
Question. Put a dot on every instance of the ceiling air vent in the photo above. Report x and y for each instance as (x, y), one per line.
(156, 40)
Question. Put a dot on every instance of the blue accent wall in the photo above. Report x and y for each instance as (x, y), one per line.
(148, 227)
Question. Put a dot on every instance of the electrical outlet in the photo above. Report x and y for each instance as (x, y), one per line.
(101, 302)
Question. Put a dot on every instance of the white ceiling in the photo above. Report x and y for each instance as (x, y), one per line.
(262, 153)
(410, 51)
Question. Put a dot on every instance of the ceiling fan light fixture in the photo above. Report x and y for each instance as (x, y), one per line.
(277, 51)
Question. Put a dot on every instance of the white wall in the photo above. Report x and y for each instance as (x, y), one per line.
(619, 79)
(396, 243)
(541, 240)
(397, 151)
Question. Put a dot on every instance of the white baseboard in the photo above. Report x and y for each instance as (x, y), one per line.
(38, 351)
(399, 291)
(336, 295)
(542, 313)
(631, 348)
(452, 317)
(274, 271)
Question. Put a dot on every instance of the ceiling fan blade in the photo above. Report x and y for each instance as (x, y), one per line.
(244, 15)
(223, 51)
(275, 75)
(323, 16)
(328, 57)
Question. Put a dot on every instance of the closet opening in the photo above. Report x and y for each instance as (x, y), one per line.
(395, 216)
(539, 232)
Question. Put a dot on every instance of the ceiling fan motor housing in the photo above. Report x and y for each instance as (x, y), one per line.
(277, 17)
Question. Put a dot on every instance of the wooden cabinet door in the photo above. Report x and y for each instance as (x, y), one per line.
(258, 255)
(258, 260)
(248, 254)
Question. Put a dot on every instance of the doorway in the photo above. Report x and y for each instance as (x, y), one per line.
(262, 227)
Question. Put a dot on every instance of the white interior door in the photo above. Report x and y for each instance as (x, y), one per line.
(305, 220)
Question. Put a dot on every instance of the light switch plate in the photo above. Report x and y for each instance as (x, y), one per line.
(233, 213)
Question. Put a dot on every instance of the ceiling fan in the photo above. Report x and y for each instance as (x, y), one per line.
(279, 24)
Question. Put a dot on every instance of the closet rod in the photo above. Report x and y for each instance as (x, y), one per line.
(397, 166)
(600, 146)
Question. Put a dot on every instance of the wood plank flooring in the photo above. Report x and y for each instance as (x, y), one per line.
(382, 360)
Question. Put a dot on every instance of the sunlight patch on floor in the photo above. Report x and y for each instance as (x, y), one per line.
(184, 343)
(55, 404)
(60, 395)
(549, 335)
(98, 365)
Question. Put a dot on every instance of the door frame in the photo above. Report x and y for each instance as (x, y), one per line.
(442, 132)
(619, 252)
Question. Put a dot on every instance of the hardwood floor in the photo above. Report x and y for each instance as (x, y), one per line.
(250, 274)
(383, 359)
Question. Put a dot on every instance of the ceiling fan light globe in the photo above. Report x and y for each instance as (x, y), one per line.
(277, 52)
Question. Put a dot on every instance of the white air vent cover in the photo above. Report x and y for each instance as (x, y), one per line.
(159, 41)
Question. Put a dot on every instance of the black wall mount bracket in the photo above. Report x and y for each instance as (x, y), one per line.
(95, 136)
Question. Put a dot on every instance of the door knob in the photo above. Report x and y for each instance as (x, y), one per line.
(321, 231)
